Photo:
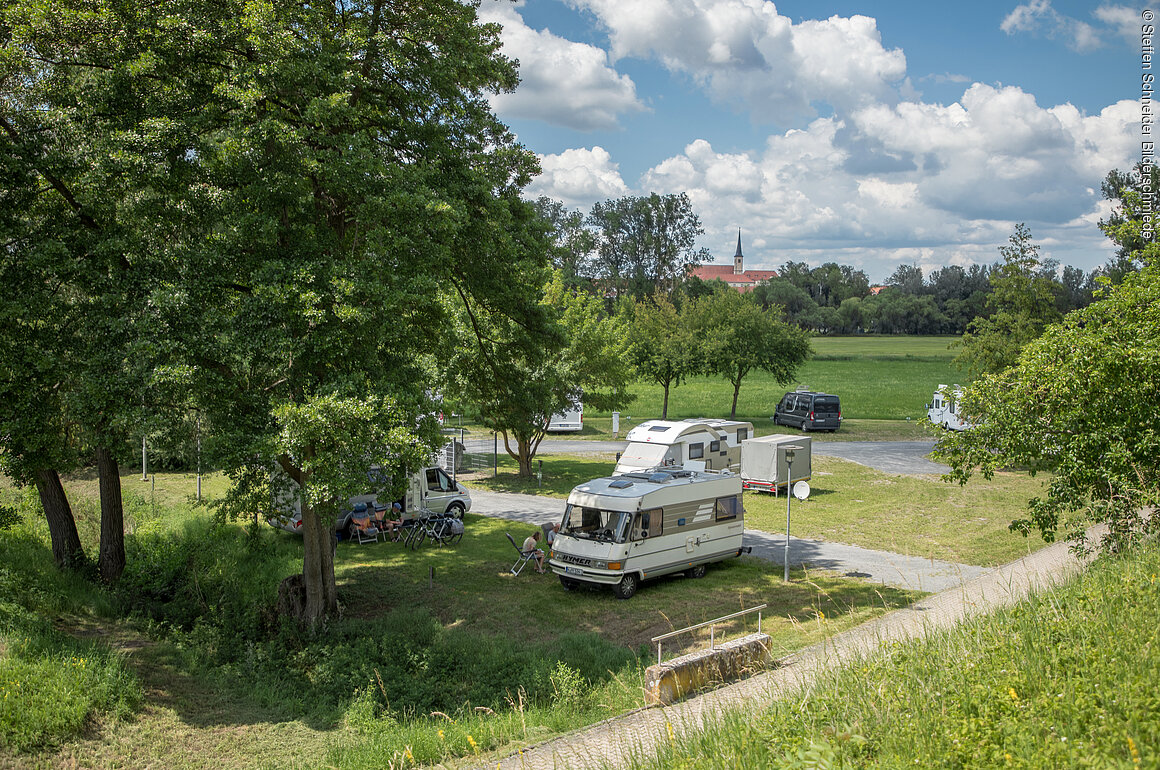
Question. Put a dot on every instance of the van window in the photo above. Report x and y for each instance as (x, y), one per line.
(438, 479)
(826, 405)
(742, 434)
(728, 507)
(696, 451)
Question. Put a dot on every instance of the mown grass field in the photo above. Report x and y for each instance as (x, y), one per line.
(193, 682)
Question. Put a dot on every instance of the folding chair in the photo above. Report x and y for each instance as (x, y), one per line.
(368, 535)
(525, 556)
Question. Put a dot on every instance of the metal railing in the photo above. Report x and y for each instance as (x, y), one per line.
(710, 624)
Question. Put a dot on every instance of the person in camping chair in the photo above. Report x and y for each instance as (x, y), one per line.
(533, 544)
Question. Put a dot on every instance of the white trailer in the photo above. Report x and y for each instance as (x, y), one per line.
(943, 410)
(711, 444)
(571, 420)
(621, 530)
(763, 464)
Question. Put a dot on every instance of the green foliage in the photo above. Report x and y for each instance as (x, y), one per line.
(736, 336)
(1021, 303)
(9, 517)
(1083, 402)
(664, 349)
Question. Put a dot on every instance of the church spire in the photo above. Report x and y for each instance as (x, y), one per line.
(738, 258)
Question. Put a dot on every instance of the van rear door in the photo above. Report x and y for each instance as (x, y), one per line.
(826, 413)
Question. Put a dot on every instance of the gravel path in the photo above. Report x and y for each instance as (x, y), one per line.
(613, 742)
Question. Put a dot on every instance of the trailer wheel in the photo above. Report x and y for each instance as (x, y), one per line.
(696, 572)
(626, 587)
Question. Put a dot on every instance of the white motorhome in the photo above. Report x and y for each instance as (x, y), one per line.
(429, 490)
(763, 465)
(621, 530)
(943, 409)
(715, 443)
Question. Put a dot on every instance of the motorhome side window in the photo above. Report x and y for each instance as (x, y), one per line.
(648, 524)
(696, 451)
(742, 434)
(715, 446)
(728, 507)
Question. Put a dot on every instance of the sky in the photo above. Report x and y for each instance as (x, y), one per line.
(867, 134)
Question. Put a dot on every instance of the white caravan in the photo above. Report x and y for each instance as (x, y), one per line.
(763, 465)
(712, 444)
(944, 408)
(620, 530)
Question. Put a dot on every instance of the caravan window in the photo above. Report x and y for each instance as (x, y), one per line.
(742, 434)
(715, 446)
(729, 507)
(696, 451)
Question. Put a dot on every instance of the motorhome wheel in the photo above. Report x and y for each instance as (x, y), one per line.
(626, 587)
(696, 572)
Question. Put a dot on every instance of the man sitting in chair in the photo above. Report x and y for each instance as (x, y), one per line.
(389, 525)
(532, 545)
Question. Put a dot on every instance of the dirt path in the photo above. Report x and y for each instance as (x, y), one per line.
(611, 743)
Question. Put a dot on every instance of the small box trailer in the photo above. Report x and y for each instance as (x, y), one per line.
(763, 465)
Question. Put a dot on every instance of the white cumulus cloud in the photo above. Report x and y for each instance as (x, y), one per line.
(578, 178)
(561, 82)
(742, 52)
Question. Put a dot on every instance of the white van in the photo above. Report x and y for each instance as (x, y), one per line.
(943, 410)
(429, 490)
(621, 530)
(571, 420)
(716, 443)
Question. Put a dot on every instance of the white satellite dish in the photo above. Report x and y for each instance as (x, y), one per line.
(801, 490)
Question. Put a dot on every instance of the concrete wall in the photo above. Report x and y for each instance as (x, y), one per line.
(672, 680)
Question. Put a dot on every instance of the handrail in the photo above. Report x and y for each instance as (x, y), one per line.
(710, 623)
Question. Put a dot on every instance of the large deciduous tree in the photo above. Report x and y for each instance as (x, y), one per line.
(663, 346)
(736, 336)
(519, 376)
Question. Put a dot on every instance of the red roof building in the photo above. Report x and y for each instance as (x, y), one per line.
(735, 275)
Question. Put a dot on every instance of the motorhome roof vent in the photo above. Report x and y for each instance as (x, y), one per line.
(621, 483)
(660, 477)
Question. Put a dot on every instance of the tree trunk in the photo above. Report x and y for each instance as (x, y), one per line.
(736, 391)
(665, 405)
(67, 551)
(321, 593)
(112, 556)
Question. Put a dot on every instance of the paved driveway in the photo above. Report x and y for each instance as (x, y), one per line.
(909, 457)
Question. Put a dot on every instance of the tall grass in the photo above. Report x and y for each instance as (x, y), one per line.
(1067, 678)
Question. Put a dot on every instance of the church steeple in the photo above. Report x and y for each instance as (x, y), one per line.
(738, 258)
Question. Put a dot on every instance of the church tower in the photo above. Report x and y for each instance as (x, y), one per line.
(738, 259)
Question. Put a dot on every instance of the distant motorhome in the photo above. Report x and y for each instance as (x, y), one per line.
(621, 530)
(696, 442)
(943, 410)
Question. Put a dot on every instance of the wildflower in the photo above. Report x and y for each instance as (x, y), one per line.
(1134, 751)
(410, 757)
(669, 727)
(440, 735)
(1014, 695)
(474, 745)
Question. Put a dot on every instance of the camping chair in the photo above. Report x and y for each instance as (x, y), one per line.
(525, 556)
(368, 534)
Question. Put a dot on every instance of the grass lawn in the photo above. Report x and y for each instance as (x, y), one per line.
(850, 503)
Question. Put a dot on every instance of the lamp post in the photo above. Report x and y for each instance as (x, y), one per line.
(789, 455)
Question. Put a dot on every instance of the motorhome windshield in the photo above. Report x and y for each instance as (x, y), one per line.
(595, 524)
(644, 455)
